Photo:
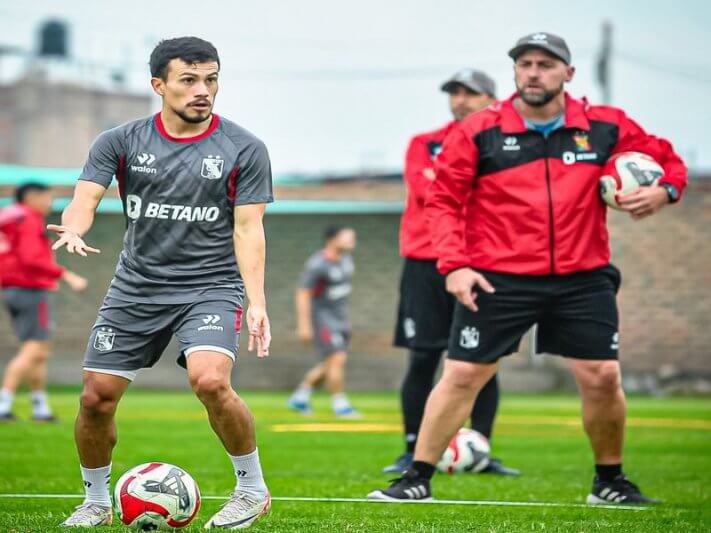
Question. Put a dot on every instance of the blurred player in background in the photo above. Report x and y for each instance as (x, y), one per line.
(425, 310)
(520, 232)
(28, 275)
(322, 318)
(194, 188)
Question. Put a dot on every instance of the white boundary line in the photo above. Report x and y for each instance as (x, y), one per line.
(491, 503)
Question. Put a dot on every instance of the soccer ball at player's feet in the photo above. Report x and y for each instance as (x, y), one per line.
(619, 491)
(156, 496)
(241, 511)
(468, 451)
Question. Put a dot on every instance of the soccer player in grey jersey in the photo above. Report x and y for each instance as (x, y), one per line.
(194, 188)
(322, 317)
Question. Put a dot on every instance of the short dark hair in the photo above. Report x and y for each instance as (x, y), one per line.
(23, 190)
(332, 231)
(188, 49)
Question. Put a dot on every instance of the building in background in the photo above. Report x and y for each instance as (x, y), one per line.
(51, 114)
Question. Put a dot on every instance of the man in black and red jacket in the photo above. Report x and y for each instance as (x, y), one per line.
(426, 308)
(532, 247)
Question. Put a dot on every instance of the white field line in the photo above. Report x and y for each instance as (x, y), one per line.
(491, 503)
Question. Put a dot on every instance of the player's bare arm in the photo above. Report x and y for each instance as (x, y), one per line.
(77, 219)
(250, 249)
(304, 329)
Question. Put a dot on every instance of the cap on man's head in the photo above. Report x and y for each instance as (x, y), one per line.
(553, 44)
(474, 80)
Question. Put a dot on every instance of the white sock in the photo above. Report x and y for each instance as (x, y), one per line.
(302, 393)
(249, 473)
(96, 485)
(40, 406)
(340, 401)
(6, 399)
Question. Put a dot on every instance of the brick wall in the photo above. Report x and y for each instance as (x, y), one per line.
(665, 298)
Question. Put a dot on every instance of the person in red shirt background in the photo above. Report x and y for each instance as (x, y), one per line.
(425, 310)
(28, 275)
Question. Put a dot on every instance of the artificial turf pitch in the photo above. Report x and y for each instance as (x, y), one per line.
(668, 454)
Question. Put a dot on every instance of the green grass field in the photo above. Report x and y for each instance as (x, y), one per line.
(668, 454)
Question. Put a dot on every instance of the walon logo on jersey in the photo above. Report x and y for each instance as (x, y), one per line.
(212, 167)
(145, 160)
(511, 144)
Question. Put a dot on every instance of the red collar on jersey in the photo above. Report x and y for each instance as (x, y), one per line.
(210, 129)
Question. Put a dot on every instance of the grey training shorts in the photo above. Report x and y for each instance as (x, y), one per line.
(30, 313)
(128, 336)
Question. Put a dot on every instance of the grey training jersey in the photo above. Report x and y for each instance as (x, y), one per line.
(330, 282)
(178, 197)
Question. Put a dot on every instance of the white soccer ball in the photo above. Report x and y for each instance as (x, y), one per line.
(626, 172)
(156, 496)
(468, 451)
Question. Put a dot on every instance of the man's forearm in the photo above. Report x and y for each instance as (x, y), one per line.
(303, 307)
(78, 218)
(250, 250)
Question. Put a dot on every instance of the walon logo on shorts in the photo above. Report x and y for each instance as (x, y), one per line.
(210, 323)
(104, 339)
(469, 338)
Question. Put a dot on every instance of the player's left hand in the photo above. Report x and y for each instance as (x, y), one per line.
(644, 201)
(260, 334)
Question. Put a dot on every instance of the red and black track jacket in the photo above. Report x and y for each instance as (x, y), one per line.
(415, 242)
(532, 204)
(26, 257)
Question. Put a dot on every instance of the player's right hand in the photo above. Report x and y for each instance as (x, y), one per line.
(73, 242)
(461, 284)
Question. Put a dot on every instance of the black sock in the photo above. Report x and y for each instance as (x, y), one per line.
(608, 472)
(423, 469)
(415, 389)
(485, 407)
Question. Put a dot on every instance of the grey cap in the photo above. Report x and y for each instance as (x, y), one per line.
(474, 80)
(553, 44)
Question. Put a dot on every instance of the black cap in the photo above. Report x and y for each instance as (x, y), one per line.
(548, 42)
(474, 80)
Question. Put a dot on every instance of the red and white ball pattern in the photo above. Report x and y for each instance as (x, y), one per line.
(468, 451)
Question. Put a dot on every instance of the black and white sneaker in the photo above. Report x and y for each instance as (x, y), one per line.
(8, 417)
(618, 491)
(408, 487)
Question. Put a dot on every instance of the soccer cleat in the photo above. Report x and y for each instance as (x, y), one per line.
(241, 511)
(44, 418)
(347, 412)
(408, 487)
(8, 417)
(495, 467)
(89, 515)
(618, 491)
(299, 405)
(401, 464)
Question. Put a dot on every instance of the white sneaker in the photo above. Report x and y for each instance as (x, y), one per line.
(241, 511)
(89, 515)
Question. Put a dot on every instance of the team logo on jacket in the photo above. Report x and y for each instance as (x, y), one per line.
(104, 340)
(582, 143)
(469, 338)
(511, 144)
(212, 167)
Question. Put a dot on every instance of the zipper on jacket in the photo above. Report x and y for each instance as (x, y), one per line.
(551, 234)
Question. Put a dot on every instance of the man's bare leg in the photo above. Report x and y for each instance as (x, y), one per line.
(32, 353)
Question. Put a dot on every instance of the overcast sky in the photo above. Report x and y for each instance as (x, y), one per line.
(339, 86)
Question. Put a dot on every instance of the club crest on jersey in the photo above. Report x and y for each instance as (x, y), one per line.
(212, 167)
(104, 340)
(582, 143)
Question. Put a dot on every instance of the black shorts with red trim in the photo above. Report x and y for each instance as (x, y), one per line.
(30, 312)
(576, 314)
(424, 316)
